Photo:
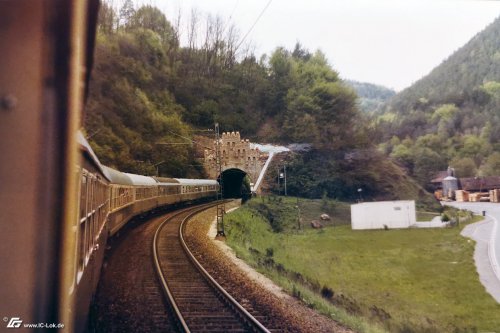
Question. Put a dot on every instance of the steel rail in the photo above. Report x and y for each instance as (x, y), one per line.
(244, 314)
(159, 271)
(239, 310)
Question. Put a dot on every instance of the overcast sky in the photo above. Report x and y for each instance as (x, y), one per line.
(388, 42)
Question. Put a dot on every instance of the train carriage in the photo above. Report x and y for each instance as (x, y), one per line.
(58, 204)
(91, 229)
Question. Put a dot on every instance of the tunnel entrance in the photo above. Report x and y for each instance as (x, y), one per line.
(235, 183)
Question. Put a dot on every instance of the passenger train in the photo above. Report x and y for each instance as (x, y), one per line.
(108, 199)
(58, 203)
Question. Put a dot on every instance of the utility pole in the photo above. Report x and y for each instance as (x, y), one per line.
(298, 213)
(157, 166)
(279, 175)
(284, 171)
(218, 167)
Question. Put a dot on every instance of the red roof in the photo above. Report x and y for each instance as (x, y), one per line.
(480, 183)
(438, 177)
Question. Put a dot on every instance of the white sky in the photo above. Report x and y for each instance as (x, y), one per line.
(388, 42)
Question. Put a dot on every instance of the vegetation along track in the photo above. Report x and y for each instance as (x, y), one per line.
(199, 302)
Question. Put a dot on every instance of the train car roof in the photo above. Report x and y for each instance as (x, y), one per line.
(85, 146)
(185, 181)
(141, 180)
(117, 177)
(165, 180)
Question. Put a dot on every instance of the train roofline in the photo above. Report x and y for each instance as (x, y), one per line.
(85, 146)
(185, 181)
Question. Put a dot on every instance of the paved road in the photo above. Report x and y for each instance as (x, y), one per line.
(487, 236)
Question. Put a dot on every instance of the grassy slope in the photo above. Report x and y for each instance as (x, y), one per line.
(425, 280)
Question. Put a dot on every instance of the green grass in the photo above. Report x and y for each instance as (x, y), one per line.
(411, 280)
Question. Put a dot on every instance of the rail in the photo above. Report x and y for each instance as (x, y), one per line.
(244, 316)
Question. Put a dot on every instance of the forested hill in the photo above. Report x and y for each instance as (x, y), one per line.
(371, 96)
(459, 77)
(150, 96)
(451, 116)
(146, 90)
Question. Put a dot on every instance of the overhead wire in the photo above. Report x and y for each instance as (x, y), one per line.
(255, 23)
(189, 139)
(230, 17)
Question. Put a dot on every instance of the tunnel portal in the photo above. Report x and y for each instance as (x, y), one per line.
(234, 184)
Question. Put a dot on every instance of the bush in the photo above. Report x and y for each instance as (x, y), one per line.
(327, 292)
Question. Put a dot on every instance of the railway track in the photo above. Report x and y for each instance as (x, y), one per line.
(199, 303)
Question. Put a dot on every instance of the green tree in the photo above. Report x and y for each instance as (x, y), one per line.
(475, 147)
(404, 155)
(464, 166)
(427, 162)
(148, 17)
(491, 167)
(445, 112)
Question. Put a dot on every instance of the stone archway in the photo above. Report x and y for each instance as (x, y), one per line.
(236, 153)
(233, 183)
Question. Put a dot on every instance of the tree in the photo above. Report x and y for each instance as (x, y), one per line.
(127, 11)
(280, 69)
(445, 112)
(148, 17)
(427, 162)
(404, 155)
(107, 18)
(491, 166)
(475, 147)
(300, 53)
(464, 166)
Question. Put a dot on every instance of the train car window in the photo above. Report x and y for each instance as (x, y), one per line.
(98, 209)
(83, 195)
(81, 229)
(81, 247)
(90, 217)
(116, 197)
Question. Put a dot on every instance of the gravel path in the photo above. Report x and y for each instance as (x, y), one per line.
(280, 312)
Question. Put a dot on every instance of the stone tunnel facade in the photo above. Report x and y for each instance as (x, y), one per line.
(235, 153)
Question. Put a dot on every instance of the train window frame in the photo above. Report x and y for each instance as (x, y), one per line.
(89, 220)
(81, 226)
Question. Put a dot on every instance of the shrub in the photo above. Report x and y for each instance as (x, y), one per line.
(445, 217)
(327, 292)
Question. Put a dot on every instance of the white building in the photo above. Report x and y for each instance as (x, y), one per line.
(376, 215)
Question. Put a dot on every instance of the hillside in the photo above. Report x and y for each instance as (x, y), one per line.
(449, 117)
(150, 97)
(370, 96)
(458, 77)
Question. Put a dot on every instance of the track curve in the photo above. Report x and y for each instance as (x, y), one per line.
(198, 301)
